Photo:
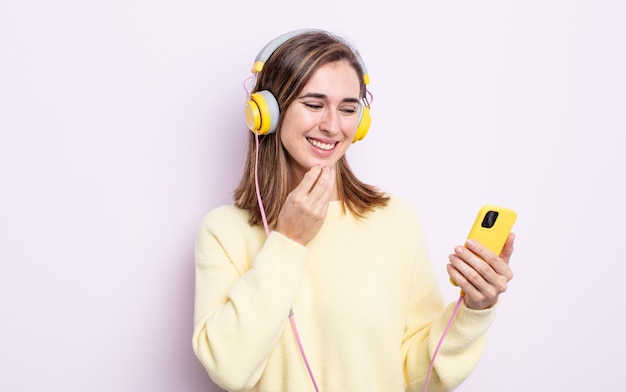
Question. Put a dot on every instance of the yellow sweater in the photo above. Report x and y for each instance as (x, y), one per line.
(366, 301)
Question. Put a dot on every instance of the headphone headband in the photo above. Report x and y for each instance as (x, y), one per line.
(271, 47)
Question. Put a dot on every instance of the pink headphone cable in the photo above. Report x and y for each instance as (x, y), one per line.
(445, 332)
(256, 185)
(267, 232)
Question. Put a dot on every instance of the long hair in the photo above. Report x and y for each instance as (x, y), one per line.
(285, 74)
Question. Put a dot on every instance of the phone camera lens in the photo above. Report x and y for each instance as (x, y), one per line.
(490, 219)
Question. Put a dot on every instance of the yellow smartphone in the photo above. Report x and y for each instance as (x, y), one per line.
(491, 228)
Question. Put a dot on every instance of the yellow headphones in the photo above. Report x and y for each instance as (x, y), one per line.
(261, 108)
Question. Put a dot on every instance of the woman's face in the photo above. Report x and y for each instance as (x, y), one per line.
(319, 126)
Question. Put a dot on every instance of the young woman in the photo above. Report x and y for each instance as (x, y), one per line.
(313, 280)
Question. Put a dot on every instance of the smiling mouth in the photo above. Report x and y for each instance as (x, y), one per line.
(320, 145)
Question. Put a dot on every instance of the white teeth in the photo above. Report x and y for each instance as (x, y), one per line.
(323, 146)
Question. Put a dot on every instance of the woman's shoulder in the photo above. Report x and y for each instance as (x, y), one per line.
(225, 210)
(398, 210)
(224, 215)
(400, 205)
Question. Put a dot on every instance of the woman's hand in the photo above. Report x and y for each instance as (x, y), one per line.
(306, 206)
(481, 274)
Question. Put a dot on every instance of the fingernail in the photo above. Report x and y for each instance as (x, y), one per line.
(469, 243)
(458, 250)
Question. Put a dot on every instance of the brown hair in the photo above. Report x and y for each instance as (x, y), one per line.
(285, 74)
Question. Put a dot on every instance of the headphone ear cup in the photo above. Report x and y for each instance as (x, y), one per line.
(262, 112)
(365, 121)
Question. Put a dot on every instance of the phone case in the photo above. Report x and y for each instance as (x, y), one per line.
(492, 227)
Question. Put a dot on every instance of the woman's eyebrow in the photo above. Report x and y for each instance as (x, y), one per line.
(324, 96)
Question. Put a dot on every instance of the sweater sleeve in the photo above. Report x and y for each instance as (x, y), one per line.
(462, 347)
(458, 355)
(245, 286)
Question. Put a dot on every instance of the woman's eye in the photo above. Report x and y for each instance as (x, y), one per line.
(313, 105)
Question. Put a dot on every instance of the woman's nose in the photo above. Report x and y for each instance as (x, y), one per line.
(329, 121)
